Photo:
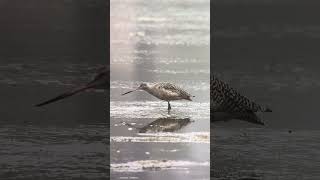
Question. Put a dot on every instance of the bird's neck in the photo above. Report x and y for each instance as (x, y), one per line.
(148, 89)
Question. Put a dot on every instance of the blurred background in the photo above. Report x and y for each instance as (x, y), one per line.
(46, 48)
(268, 50)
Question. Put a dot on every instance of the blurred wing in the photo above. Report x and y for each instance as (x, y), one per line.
(226, 99)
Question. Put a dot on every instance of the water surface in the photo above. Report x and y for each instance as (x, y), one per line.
(156, 41)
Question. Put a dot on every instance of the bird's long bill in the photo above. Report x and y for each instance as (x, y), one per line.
(64, 95)
(129, 92)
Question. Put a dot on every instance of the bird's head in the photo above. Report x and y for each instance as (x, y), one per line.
(143, 86)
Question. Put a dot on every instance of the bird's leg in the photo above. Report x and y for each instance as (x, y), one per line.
(169, 107)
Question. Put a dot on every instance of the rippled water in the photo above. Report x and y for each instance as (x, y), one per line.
(262, 153)
(155, 41)
(30, 152)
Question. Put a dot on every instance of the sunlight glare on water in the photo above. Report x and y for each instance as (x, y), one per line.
(159, 41)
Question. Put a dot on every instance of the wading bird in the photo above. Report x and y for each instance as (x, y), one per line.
(227, 103)
(164, 91)
(100, 81)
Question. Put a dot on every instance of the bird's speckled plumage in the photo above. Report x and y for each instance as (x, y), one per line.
(168, 92)
(227, 101)
(164, 91)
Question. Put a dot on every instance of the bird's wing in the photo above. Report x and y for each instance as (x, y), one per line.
(228, 99)
(173, 89)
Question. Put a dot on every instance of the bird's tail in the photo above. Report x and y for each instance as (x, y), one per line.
(258, 108)
(189, 98)
(64, 95)
(267, 109)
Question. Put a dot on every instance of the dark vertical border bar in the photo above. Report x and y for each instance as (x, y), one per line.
(108, 89)
(211, 71)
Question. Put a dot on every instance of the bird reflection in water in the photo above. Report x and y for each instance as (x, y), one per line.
(163, 125)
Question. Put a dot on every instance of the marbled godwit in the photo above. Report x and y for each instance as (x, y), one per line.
(227, 103)
(100, 81)
(164, 91)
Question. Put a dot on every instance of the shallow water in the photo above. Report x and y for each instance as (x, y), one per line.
(262, 153)
(31, 152)
(159, 41)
